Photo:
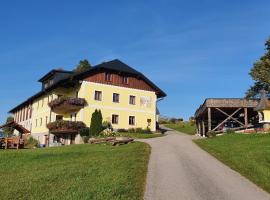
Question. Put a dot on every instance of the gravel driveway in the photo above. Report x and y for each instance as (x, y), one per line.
(180, 170)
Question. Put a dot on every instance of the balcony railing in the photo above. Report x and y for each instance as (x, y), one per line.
(67, 104)
(62, 126)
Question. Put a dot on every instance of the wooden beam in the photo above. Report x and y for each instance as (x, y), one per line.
(229, 117)
(246, 117)
(209, 120)
(203, 128)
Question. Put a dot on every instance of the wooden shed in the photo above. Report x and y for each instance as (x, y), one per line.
(214, 113)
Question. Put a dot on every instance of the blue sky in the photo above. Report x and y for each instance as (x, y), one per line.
(191, 49)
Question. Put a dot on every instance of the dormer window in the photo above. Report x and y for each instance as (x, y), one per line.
(108, 77)
(125, 80)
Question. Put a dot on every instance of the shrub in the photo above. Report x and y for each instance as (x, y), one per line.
(96, 123)
(131, 130)
(211, 134)
(122, 130)
(229, 131)
(31, 143)
(106, 125)
(85, 139)
(85, 132)
(138, 130)
(147, 130)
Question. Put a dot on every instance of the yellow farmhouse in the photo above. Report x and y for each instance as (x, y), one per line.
(67, 99)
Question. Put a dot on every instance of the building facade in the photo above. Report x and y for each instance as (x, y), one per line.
(126, 98)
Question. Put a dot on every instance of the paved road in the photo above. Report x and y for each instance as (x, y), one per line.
(179, 170)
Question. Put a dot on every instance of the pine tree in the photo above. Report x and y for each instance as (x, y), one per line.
(84, 65)
(96, 123)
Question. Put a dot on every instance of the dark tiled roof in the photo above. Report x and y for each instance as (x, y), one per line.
(52, 72)
(114, 65)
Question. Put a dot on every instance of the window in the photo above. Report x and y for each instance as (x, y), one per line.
(115, 98)
(40, 121)
(131, 120)
(115, 119)
(108, 77)
(125, 80)
(59, 117)
(132, 100)
(98, 95)
(46, 120)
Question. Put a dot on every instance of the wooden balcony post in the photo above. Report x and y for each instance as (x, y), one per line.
(209, 120)
(203, 128)
(246, 117)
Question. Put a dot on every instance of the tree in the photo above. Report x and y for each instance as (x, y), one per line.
(260, 73)
(9, 130)
(96, 123)
(83, 65)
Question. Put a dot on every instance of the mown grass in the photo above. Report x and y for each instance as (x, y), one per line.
(183, 127)
(140, 135)
(247, 154)
(75, 172)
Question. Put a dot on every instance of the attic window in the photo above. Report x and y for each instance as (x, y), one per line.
(125, 80)
(108, 77)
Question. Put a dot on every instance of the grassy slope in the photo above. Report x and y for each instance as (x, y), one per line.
(75, 172)
(141, 135)
(247, 154)
(183, 127)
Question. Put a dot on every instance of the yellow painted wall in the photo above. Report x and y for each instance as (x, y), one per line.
(123, 108)
(266, 115)
(86, 90)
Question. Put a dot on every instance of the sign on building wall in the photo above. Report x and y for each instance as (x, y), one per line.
(146, 102)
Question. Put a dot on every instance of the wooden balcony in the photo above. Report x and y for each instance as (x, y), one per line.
(67, 104)
(62, 126)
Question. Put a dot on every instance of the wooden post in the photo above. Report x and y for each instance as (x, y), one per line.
(209, 120)
(203, 128)
(246, 117)
(199, 127)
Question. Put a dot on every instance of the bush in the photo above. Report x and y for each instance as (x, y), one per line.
(229, 131)
(106, 125)
(96, 123)
(211, 134)
(85, 139)
(122, 130)
(85, 132)
(131, 130)
(138, 130)
(31, 143)
(147, 131)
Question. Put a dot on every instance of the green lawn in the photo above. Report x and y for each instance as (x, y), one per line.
(140, 135)
(184, 127)
(75, 172)
(247, 154)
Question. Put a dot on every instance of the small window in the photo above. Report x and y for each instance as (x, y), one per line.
(115, 119)
(59, 117)
(115, 98)
(98, 95)
(132, 100)
(40, 121)
(108, 77)
(46, 120)
(125, 80)
(36, 122)
(131, 120)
